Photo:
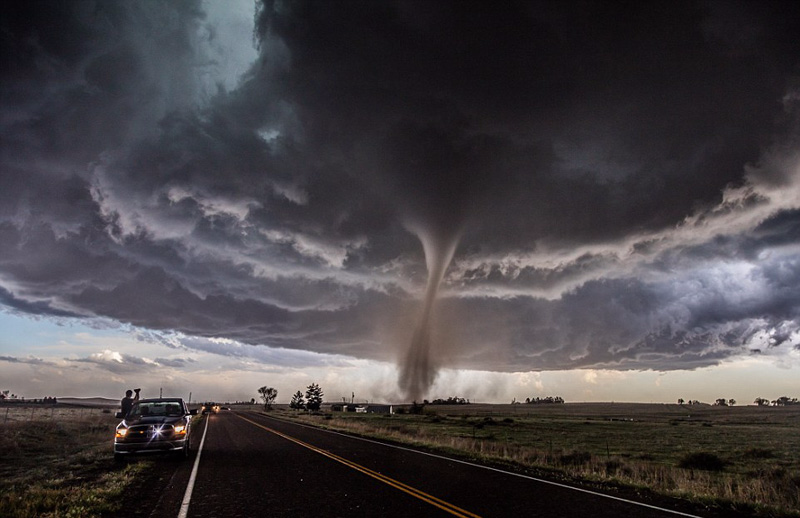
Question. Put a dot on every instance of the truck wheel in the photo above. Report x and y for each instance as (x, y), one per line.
(183, 453)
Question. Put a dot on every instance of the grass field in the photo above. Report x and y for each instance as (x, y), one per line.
(57, 462)
(743, 458)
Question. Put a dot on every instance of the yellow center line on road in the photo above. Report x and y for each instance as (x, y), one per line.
(441, 504)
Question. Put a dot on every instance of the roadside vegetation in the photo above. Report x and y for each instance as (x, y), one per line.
(58, 463)
(735, 458)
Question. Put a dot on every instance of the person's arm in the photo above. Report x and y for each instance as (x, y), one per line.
(137, 394)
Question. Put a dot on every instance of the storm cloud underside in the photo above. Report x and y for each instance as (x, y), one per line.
(513, 187)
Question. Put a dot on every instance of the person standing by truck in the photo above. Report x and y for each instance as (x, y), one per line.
(127, 402)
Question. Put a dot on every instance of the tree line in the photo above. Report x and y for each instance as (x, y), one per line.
(760, 401)
(449, 401)
(548, 400)
(781, 401)
(6, 395)
(312, 400)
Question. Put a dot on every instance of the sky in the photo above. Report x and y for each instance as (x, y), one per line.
(400, 200)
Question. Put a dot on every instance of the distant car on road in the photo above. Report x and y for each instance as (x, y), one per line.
(154, 425)
(210, 408)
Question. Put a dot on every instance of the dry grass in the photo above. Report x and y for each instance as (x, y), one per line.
(630, 445)
(58, 463)
(25, 413)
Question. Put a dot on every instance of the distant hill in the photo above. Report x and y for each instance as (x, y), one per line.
(88, 401)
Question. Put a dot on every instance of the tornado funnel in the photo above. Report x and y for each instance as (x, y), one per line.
(419, 367)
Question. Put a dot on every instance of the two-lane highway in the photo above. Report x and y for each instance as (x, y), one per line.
(254, 465)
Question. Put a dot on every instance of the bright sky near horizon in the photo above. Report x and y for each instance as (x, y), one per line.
(400, 199)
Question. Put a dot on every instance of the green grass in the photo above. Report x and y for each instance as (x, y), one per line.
(732, 457)
(61, 467)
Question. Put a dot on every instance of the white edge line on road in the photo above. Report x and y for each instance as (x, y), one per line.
(543, 481)
(187, 496)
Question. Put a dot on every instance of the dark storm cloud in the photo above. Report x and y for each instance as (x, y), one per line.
(617, 186)
(593, 119)
(31, 307)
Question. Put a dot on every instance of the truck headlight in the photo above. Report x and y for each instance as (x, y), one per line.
(121, 432)
(180, 429)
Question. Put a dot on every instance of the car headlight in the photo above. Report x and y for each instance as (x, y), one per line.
(121, 432)
(180, 429)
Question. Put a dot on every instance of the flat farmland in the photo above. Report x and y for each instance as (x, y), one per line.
(738, 461)
(743, 458)
(56, 461)
(20, 413)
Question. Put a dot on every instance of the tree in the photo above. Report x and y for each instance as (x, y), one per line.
(268, 394)
(721, 402)
(452, 400)
(545, 400)
(297, 402)
(680, 401)
(313, 397)
(731, 402)
(760, 401)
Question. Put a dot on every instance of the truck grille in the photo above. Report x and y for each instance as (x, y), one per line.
(150, 431)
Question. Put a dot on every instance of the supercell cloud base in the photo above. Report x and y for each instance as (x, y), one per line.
(400, 198)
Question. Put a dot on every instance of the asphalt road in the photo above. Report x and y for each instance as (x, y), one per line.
(254, 465)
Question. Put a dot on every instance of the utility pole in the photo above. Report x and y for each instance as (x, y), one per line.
(160, 392)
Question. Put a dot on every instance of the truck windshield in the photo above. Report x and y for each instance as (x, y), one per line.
(155, 409)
